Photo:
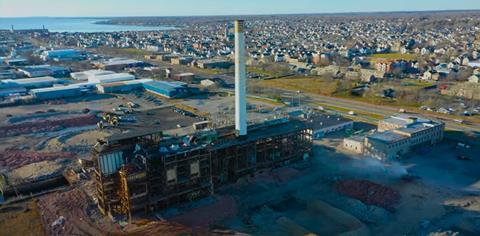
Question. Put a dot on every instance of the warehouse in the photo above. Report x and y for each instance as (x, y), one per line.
(62, 55)
(185, 77)
(117, 64)
(110, 78)
(327, 124)
(57, 92)
(89, 74)
(39, 82)
(45, 70)
(124, 86)
(167, 89)
(12, 91)
(8, 74)
(16, 62)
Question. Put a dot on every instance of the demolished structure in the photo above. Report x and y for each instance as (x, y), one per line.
(148, 171)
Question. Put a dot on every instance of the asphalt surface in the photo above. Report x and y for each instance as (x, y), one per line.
(385, 111)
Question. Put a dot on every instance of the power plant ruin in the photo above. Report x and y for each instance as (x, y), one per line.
(148, 171)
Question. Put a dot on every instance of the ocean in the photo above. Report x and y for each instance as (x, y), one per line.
(60, 24)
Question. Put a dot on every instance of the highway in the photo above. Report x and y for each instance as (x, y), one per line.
(356, 106)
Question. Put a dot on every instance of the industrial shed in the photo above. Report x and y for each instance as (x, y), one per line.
(45, 70)
(167, 89)
(110, 78)
(124, 86)
(57, 92)
(39, 82)
(90, 74)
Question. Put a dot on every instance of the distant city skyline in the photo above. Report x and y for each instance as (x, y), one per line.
(109, 8)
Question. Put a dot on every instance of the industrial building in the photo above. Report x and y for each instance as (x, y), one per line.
(110, 78)
(57, 92)
(89, 74)
(185, 77)
(123, 86)
(45, 70)
(118, 64)
(147, 171)
(38, 82)
(396, 136)
(167, 89)
(63, 55)
(322, 125)
(16, 61)
(8, 74)
(7, 92)
(151, 171)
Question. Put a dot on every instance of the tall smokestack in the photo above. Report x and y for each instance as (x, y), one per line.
(240, 90)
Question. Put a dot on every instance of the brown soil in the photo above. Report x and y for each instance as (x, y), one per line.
(22, 219)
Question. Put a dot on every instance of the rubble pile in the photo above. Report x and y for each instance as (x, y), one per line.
(369, 193)
(12, 158)
(47, 125)
(69, 213)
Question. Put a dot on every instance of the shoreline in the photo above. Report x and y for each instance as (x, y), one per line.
(166, 26)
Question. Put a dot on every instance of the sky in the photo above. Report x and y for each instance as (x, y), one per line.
(27, 8)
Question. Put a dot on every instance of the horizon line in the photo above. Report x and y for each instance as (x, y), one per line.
(260, 14)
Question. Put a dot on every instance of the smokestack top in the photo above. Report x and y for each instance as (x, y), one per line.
(239, 26)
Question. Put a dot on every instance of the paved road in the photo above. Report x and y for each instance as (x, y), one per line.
(370, 108)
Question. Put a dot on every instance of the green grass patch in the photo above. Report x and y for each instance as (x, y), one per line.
(133, 51)
(394, 56)
(416, 83)
(266, 100)
(304, 84)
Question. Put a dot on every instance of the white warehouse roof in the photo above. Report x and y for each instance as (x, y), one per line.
(118, 77)
(86, 75)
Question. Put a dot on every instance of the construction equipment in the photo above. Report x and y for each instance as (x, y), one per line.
(109, 119)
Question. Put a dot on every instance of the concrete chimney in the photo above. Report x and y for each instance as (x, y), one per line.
(240, 74)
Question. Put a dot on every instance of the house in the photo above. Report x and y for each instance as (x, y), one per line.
(431, 75)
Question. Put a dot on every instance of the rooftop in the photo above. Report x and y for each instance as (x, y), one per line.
(416, 127)
(404, 119)
(324, 121)
(387, 137)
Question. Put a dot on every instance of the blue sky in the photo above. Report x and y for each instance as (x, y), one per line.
(12, 8)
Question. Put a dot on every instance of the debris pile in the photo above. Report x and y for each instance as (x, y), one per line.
(12, 158)
(47, 125)
(369, 193)
(69, 213)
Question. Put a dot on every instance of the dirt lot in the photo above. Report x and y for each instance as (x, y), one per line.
(72, 212)
(22, 219)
